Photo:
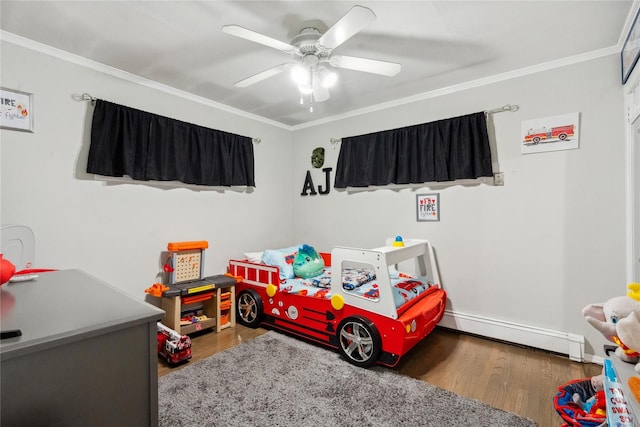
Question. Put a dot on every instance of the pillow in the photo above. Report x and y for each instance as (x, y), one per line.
(283, 258)
(308, 263)
(254, 257)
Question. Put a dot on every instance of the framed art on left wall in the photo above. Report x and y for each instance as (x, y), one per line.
(16, 110)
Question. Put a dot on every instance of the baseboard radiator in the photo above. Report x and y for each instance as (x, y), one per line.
(558, 342)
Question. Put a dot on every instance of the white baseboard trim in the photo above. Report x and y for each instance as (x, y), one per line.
(592, 358)
(560, 342)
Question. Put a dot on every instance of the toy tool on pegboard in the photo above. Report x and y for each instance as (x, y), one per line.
(184, 269)
(185, 261)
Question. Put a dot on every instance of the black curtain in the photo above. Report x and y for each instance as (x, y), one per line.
(445, 150)
(145, 146)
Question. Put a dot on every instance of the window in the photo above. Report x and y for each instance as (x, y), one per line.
(444, 150)
(145, 146)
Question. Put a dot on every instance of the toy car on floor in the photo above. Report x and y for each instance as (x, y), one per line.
(173, 347)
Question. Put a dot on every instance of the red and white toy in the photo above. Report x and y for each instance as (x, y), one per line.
(173, 347)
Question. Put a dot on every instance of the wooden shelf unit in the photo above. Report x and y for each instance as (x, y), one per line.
(219, 309)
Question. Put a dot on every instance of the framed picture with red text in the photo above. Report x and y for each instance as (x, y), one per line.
(16, 110)
(428, 207)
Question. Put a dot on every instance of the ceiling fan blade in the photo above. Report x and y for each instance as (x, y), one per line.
(263, 75)
(367, 65)
(353, 21)
(320, 93)
(238, 31)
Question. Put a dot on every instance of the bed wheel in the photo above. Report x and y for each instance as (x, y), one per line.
(359, 341)
(249, 308)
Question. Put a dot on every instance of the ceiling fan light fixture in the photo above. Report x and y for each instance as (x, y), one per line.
(300, 74)
(329, 78)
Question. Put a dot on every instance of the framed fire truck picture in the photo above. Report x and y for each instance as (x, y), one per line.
(552, 133)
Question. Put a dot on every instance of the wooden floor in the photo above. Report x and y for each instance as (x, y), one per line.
(509, 377)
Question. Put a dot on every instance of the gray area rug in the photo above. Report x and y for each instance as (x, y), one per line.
(276, 380)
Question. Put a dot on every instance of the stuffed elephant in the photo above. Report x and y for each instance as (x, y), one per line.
(618, 320)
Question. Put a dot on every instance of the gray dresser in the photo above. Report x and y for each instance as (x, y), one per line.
(87, 355)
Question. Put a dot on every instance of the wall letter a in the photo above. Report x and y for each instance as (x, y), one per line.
(308, 186)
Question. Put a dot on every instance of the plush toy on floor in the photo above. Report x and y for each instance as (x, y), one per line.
(597, 403)
(580, 402)
(629, 327)
(617, 321)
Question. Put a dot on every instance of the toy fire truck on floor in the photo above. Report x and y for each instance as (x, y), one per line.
(173, 347)
(192, 302)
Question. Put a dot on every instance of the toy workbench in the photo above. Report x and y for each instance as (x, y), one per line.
(193, 302)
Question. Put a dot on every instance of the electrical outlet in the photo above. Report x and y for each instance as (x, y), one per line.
(498, 179)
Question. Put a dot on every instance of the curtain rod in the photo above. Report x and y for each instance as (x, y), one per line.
(508, 107)
(88, 98)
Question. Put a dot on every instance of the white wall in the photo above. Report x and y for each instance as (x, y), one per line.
(533, 252)
(118, 231)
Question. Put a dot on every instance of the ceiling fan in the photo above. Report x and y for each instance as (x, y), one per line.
(311, 50)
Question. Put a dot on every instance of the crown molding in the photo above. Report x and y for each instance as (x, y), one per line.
(97, 66)
(588, 56)
(115, 72)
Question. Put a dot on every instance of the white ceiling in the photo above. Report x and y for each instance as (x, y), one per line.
(439, 44)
